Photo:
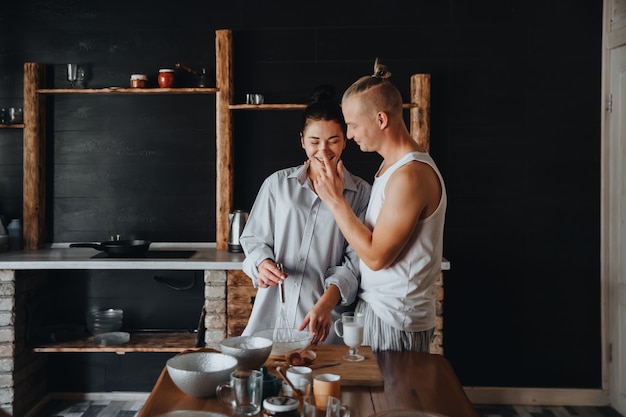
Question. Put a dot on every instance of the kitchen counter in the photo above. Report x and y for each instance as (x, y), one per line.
(61, 256)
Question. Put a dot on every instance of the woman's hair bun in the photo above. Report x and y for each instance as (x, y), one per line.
(324, 92)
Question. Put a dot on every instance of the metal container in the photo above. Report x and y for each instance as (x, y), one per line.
(238, 220)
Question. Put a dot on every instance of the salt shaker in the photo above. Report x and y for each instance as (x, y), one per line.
(15, 234)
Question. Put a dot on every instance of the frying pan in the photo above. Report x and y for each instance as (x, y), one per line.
(118, 247)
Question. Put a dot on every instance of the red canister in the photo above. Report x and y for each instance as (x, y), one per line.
(166, 78)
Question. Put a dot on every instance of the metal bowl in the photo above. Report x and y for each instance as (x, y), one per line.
(250, 351)
(198, 373)
(300, 340)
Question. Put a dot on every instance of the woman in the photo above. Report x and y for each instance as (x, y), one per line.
(290, 225)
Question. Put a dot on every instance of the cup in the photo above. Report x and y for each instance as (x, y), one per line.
(243, 393)
(15, 115)
(333, 408)
(298, 375)
(304, 388)
(253, 98)
(350, 328)
(325, 385)
(72, 74)
(271, 386)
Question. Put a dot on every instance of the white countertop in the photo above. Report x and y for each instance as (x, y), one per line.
(61, 256)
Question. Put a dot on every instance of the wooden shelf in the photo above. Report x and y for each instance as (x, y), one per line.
(139, 342)
(119, 90)
(274, 106)
(12, 126)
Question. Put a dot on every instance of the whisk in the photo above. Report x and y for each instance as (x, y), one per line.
(282, 329)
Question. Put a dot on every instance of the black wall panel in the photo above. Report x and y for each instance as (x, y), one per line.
(515, 129)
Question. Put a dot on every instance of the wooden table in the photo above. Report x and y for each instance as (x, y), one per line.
(412, 380)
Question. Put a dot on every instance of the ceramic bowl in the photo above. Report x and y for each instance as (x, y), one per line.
(250, 351)
(299, 341)
(198, 373)
(105, 321)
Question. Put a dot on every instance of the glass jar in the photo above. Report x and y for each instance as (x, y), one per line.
(166, 78)
(138, 80)
(280, 407)
(15, 234)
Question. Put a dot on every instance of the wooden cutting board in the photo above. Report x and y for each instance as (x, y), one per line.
(365, 373)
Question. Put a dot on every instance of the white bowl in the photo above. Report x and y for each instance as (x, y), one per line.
(198, 373)
(104, 321)
(300, 340)
(250, 351)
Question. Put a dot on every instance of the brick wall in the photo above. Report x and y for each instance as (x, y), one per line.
(215, 318)
(22, 372)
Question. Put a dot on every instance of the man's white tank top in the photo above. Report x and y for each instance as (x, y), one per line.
(402, 294)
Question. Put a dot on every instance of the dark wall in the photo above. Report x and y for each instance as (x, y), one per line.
(515, 131)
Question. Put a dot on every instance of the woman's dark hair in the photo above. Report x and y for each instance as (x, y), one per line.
(323, 106)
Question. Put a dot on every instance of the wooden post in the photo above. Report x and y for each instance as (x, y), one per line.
(224, 143)
(34, 209)
(420, 109)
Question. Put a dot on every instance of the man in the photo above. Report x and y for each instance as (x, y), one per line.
(400, 244)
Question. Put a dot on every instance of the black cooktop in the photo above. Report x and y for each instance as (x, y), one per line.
(151, 254)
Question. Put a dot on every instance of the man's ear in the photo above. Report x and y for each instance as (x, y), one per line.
(382, 119)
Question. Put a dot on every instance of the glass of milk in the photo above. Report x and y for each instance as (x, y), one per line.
(350, 328)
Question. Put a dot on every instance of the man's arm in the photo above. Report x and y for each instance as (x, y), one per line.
(409, 196)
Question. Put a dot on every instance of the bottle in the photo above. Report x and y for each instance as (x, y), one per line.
(166, 78)
(15, 234)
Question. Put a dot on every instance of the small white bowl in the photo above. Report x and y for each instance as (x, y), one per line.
(250, 351)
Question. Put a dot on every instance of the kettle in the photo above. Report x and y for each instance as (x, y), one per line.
(237, 220)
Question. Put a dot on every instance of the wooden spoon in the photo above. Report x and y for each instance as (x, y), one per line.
(296, 391)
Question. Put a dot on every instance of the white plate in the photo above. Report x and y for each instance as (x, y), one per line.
(112, 338)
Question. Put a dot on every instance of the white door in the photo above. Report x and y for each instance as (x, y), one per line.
(616, 200)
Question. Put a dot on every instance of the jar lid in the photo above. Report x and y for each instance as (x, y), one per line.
(166, 70)
(138, 77)
(280, 404)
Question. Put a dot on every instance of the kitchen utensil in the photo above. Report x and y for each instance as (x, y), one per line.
(104, 321)
(254, 98)
(283, 375)
(112, 338)
(325, 385)
(199, 373)
(120, 248)
(72, 74)
(243, 393)
(238, 220)
(250, 351)
(203, 79)
(282, 329)
(15, 115)
(300, 340)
